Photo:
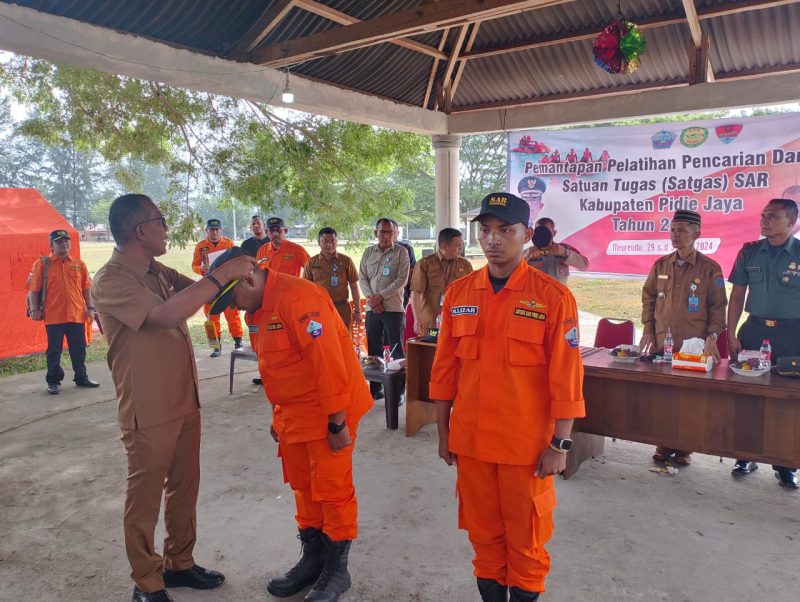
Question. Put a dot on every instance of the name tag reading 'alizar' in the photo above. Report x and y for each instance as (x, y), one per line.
(461, 310)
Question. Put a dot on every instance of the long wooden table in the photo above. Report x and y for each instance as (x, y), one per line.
(717, 413)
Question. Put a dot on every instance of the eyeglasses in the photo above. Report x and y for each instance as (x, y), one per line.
(160, 218)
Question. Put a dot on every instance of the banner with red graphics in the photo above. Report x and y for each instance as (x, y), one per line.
(612, 191)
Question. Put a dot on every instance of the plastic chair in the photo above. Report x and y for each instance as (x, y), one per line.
(613, 331)
(722, 344)
(409, 331)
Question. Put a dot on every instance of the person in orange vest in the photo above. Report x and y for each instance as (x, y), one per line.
(314, 380)
(508, 378)
(214, 242)
(279, 254)
(64, 305)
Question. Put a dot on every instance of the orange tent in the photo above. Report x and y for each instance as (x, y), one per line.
(26, 219)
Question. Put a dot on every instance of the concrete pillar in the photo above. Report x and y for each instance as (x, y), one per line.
(446, 169)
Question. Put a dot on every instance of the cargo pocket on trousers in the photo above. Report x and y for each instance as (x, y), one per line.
(332, 478)
(544, 503)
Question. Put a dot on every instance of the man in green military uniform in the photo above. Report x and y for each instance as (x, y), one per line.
(770, 268)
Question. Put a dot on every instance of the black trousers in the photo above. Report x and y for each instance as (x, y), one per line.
(76, 339)
(385, 329)
(784, 340)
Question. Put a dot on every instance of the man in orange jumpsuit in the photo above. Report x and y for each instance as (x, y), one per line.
(282, 255)
(279, 255)
(313, 378)
(507, 377)
(214, 242)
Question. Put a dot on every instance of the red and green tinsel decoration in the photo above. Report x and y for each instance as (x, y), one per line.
(618, 47)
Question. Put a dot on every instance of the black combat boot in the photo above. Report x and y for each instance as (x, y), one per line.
(306, 571)
(520, 595)
(492, 591)
(237, 342)
(334, 579)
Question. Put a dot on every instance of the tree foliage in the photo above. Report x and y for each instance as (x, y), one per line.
(234, 151)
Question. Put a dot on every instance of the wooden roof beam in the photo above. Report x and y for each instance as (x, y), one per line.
(341, 18)
(434, 68)
(385, 28)
(699, 62)
(270, 17)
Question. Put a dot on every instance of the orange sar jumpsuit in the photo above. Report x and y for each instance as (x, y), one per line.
(201, 252)
(290, 258)
(510, 363)
(310, 370)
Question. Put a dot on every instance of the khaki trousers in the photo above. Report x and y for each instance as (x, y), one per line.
(162, 460)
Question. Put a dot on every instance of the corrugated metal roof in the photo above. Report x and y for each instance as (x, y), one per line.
(740, 42)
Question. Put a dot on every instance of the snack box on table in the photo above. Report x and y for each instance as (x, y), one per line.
(699, 362)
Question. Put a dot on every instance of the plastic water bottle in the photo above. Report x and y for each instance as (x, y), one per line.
(668, 343)
(387, 357)
(766, 355)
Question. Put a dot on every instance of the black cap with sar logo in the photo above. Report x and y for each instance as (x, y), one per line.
(506, 207)
(56, 234)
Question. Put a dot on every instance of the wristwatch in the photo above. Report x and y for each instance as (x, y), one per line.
(335, 429)
(90, 307)
(714, 335)
(560, 445)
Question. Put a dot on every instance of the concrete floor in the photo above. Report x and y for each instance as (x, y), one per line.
(622, 532)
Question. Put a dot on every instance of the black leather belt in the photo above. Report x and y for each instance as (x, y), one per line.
(341, 302)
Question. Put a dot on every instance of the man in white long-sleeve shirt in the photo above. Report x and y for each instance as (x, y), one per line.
(382, 276)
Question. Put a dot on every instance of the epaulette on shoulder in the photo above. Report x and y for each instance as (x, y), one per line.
(751, 243)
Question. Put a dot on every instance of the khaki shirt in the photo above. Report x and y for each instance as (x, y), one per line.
(153, 369)
(667, 293)
(432, 275)
(334, 275)
(385, 273)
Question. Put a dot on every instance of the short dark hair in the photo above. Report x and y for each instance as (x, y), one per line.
(388, 220)
(545, 221)
(326, 230)
(257, 217)
(126, 211)
(446, 236)
(789, 205)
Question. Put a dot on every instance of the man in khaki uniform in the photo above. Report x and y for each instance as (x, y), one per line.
(432, 276)
(143, 306)
(335, 272)
(685, 292)
(382, 275)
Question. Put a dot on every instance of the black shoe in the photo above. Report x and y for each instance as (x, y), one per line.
(196, 578)
(787, 479)
(257, 381)
(492, 591)
(87, 382)
(237, 342)
(216, 352)
(743, 467)
(334, 579)
(377, 394)
(161, 595)
(520, 595)
(306, 571)
(53, 388)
